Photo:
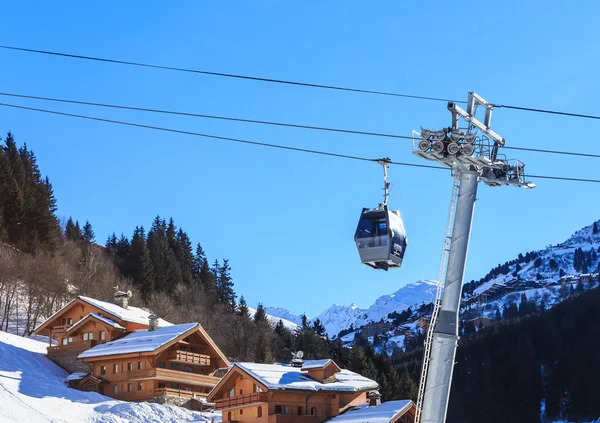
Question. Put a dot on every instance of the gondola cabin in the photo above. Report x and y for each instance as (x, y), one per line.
(380, 238)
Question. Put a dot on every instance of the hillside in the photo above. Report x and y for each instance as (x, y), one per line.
(535, 274)
(32, 390)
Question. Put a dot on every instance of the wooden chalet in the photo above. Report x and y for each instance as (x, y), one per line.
(175, 360)
(313, 391)
(127, 353)
(86, 322)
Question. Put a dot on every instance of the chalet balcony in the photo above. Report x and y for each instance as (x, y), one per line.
(71, 346)
(189, 358)
(178, 393)
(286, 418)
(240, 400)
(174, 376)
(60, 330)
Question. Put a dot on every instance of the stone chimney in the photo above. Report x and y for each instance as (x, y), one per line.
(152, 322)
(121, 299)
(374, 398)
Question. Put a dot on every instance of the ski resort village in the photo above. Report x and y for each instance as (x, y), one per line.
(265, 212)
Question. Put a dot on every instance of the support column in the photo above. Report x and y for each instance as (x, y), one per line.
(445, 334)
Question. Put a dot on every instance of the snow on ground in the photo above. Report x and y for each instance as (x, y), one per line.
(32, 390)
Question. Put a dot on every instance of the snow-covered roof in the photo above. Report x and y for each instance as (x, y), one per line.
(129, 314)
(139, 341)
(316, 364)
(286, 377)
(383, 413)
(76, 376)
(97, 316)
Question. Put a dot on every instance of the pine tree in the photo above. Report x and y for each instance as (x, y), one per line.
(77, 234)
(87, 235)
(242, 308)
(225, 286)
(595, 228)
(260, 315)
(199, 261)
(71, 231)
(157, 248)
(185, 257)
(141, 264)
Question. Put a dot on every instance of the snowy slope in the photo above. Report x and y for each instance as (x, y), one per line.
(32, 390)
(282, 313)
(273, 320)
(562, 254)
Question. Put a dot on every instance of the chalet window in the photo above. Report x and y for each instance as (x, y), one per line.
(241, 392)
(187, 388)
(313, 411)
(229, 416)
(175, 385)
(161, 364)
(65, 341)
(70, 339)
(102, 335)
(188, 369)
(281, 409)
(129, 367)
(162, 385)
(174, 366)
(140, 386)
(102, 370)
(116, 389)
(88, 336)
(129, 387)
(241, 411)
(140, 365)
(115, 368)
(299, 411)
(232, 392)
(259, 411)
(69, 321)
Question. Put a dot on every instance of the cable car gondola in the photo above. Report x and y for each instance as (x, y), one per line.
(380, 236)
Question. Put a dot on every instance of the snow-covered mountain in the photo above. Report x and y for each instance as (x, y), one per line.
(339, 317)
(282, 313)
(273, 320)
(32, 390)
(544, 265)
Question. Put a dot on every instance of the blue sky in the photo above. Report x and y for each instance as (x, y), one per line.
(286, 220)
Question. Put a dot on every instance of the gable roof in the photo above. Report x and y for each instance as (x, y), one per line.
(96, 316)
(384, 413)
(140, 341)
(130, 314)
(281, 377)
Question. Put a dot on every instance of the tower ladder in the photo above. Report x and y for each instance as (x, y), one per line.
(438, 296)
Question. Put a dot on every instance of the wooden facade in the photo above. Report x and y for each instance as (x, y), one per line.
(243, 398)
(184, 367)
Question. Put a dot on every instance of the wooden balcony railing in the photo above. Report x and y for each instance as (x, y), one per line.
(186, 377)
(189, 357)
(174, 376)
(71, 346)
(286, 418)
(178, 393)
(241, 400)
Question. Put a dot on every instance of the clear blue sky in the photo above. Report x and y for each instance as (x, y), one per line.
(286, 220)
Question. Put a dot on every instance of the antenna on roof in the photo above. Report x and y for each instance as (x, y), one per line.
(297, 359)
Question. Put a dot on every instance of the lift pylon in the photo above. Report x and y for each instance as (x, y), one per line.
(473, 155)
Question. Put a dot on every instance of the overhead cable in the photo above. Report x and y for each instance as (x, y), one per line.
(242, 141)
(264, 122)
